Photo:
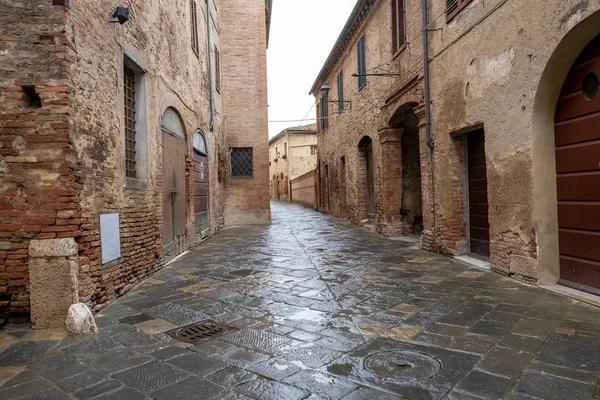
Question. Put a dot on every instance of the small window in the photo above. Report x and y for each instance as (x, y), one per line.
(217, 70)
(398, 27)
(194, 27)
(324, 111)
(313, 150)
(199, 143)
(130, 132)
(453, 7)
(340, 88)
(241, 162)
(362, 62)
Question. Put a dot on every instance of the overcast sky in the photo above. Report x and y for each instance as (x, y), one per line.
(302, 35)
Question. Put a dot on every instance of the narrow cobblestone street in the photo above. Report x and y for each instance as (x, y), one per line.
(325, 310)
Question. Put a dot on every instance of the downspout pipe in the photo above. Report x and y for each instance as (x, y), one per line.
(426, 77)
(210, 67)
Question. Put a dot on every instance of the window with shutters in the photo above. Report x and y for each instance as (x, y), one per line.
(194, 27)
(324, 112)
(340, 90)
(398, 27)
(362, 62)
(242, 165)
(453, 7)
(217, 70)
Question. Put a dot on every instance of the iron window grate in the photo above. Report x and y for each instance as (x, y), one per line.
(242, 165)
(129, 97)
(199, 332)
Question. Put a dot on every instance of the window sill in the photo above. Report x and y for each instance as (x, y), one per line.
(400, 51)
(136, 184)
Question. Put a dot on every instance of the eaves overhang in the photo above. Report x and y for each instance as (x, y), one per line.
(357, 17)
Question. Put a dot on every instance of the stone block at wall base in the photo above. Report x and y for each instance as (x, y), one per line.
(524, 266)
(53, 282)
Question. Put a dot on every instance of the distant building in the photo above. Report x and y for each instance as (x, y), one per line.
(292, 153)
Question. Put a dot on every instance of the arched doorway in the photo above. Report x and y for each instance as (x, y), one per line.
(201, 188)
(577, 146)
(174, 234)
(366, 180)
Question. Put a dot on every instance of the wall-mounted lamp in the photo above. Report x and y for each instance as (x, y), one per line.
(342, 104)
(121, 14)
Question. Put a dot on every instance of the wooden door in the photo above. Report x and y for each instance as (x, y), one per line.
(173, 181)
(577, 139)
(370, 182)
(200, 177)
(479, 226)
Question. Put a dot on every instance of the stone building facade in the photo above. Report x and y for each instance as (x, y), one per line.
(368, 142)
(115, 155)
(509, 164)
(292, 153)
(520, 96)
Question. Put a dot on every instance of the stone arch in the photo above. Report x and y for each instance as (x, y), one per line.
(545, 216)
(172, 121)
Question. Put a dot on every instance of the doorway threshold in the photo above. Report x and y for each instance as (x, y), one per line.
(574, 294)
(474, 262)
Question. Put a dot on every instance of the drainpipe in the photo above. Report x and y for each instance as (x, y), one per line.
(426, 78)
(428, 137)
(210, 68)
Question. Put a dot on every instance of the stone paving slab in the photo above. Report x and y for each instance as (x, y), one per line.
(326, 310)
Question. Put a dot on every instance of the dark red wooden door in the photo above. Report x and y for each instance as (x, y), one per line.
(577, 139)
(173, 182)
(479, 226)
(200, 175)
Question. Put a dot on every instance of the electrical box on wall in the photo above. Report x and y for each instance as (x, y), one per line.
(110, 237)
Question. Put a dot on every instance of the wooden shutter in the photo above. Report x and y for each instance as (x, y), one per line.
(362, 62)
(398, 26)
(454, 6)
(217, 70)
(194, 27)
(340, 88)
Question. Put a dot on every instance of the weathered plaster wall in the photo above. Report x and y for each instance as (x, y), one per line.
(494, 82)
(303, 190)
(296, 147)
(372, 109)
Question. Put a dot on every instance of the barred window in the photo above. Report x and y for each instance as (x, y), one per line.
(362, 62)
(242, 165)
(194, 27)
(129, 97)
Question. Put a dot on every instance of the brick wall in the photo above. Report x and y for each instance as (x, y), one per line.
(38, 190)
(243, 35)
(303, 190)
(62, 136)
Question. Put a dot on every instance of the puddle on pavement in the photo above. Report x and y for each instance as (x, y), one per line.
(308, 315)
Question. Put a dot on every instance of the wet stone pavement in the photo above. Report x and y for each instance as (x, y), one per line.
(325, 310)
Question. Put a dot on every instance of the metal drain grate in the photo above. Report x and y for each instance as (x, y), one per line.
(200, 331)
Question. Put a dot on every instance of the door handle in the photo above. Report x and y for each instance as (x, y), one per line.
(174, 193)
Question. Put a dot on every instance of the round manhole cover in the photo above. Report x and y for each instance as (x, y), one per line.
(403, 365)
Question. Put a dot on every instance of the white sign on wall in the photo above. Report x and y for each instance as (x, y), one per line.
(110, 238)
